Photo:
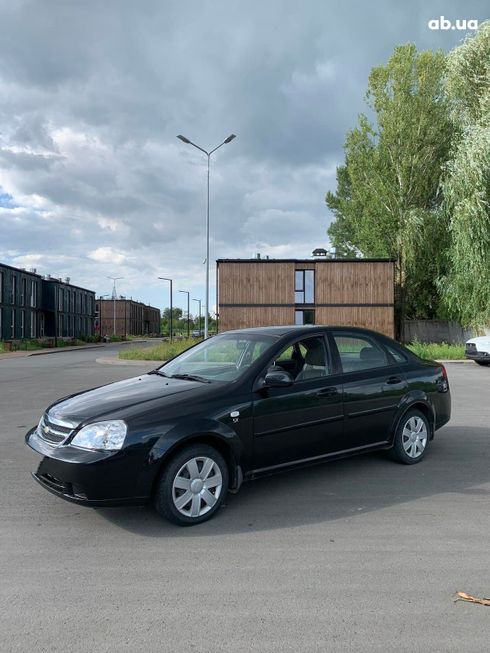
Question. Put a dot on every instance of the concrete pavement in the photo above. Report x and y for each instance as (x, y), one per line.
(357, 555)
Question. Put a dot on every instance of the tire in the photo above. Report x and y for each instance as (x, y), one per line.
(192, 486)
(484, 363)
(408, 445)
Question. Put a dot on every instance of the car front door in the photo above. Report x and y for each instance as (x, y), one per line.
(303, 420)
(373, 385)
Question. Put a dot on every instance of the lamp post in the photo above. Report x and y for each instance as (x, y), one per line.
(188, 311)
(199, 301)
(171, 309)
(208, 154)
(114, 296)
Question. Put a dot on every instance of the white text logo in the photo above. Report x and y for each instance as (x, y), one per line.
(459, 23)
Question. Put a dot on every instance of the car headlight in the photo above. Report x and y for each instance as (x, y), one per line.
(101, 435)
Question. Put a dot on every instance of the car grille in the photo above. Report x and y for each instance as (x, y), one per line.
(54, 434)
(471, 348)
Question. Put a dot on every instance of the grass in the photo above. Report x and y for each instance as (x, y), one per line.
(32, 345)
(161, 352)
(437, 350)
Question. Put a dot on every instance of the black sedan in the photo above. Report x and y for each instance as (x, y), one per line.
(237, 406)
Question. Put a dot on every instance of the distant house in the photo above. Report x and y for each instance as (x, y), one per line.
(123, 317)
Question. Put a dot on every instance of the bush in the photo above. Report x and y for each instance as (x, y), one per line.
(437, 350)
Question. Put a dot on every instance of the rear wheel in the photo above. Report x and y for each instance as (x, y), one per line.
(411, 438)
(193, 485)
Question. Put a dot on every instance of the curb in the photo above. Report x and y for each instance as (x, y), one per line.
(446, 362)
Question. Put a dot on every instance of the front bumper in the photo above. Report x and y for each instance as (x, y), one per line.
(93, 478)
(478, 356)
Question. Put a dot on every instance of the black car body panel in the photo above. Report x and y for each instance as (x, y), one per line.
(257, 429)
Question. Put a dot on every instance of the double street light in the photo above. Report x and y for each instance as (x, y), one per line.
(208, 154)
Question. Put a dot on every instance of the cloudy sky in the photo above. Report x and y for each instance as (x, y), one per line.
(94, 183)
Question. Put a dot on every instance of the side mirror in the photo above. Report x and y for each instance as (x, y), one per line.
(278, 379)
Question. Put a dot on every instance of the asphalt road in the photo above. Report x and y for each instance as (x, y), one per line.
(357, 555)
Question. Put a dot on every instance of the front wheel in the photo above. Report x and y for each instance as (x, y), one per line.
(193, 485)
(411, 438)
(482, 362)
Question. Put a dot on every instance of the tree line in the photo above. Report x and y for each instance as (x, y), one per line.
(415, 183)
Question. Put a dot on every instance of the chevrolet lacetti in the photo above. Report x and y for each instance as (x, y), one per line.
(235, 407)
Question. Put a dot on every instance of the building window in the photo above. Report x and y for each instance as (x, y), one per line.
(22, 323)
(304, 287)
(304, 317)
(33, 324)
(60, 299)
(14, 289)
(1, 323)
(12, 326)
(23, 291)
(33, 294)
(1, 287)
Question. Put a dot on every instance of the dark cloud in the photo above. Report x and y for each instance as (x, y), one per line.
(93, 95)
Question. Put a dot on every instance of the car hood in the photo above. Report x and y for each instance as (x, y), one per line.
(107, 399)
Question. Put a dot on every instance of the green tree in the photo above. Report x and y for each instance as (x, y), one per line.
(466, 287)
(388, 198)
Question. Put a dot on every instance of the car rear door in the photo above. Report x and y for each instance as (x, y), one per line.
(373, 385)
(305, 419)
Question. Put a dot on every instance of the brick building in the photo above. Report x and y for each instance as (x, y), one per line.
(126, 317)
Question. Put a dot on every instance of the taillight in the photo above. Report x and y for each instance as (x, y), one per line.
(444, 383)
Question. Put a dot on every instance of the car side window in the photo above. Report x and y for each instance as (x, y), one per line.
(398, 356)
(359, 352)
(304, 360)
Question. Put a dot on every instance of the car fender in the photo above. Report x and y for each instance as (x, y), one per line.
(413, 398)
(188, 430)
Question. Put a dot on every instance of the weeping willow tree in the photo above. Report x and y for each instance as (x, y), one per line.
(388, 196)
(466, 188)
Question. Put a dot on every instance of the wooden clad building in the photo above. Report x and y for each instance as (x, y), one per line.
(264, 292)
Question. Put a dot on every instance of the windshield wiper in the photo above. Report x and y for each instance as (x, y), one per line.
(190, 377)
(160, 373)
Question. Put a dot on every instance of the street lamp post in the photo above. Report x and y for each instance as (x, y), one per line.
(171, 309)
(188, 309)
(114, 296)
(208, 154)
(199, 301)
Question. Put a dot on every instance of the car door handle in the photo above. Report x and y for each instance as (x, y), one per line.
(327, 392)
(393, 380)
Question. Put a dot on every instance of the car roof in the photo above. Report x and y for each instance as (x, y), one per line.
(294, 329)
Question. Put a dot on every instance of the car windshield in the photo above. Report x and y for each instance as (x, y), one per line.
(221, 358)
